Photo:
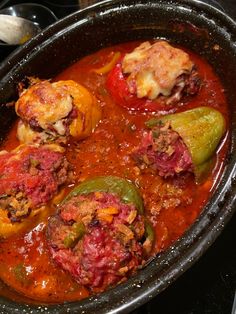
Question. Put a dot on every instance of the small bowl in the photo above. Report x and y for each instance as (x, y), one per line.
(37, 13)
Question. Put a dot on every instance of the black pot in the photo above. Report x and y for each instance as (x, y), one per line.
(192, 24)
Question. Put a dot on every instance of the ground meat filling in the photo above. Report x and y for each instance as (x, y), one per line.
(97, 239)
(59, 128)
(164, 151)
(30, 178)
(185, 85)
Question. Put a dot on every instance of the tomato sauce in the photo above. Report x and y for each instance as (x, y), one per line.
(172, 205)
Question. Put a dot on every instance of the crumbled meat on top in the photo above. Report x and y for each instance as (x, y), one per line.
(163, 150)
(98, 239)
(30, 177)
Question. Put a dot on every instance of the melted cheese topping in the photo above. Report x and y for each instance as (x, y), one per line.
(49, 105)
(44, 102)
(154, 69)
(26, 135)
(88, 109)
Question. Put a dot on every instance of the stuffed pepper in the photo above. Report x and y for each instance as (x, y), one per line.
(100, 235)
(153, 77)
(51, 112)
(30, 177)
(181, 142)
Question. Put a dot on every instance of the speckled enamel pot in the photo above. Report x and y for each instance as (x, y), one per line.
(193, 24)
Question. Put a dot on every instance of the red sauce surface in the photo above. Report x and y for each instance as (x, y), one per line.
(172, 205)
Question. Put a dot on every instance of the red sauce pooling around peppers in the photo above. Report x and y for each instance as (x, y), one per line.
(172, 205)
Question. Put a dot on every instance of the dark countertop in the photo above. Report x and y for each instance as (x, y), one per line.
(229, 6)
(209, 286)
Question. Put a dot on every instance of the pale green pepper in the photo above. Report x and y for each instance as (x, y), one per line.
(127, 192)
(77, 232)
(110, 184)
(201, 129)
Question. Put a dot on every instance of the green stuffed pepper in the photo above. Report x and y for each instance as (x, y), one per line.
(100, 235)
(182, 142)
